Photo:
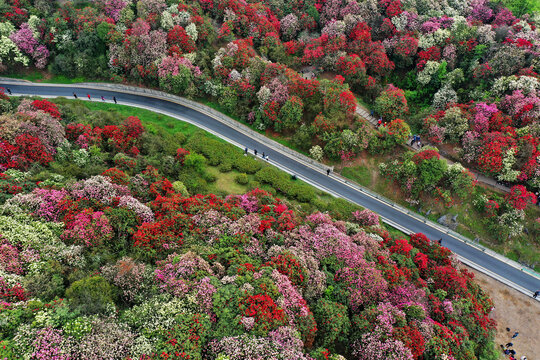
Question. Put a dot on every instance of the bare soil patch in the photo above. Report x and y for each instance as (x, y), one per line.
(515, 311)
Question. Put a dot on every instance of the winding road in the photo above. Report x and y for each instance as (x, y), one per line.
(512, 274)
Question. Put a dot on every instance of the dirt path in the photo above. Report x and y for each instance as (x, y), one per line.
(516, 311)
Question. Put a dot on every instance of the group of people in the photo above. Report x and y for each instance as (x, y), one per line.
(507, 349)
(75, 96)
(90, 97)
(255, 152)
(416, 140)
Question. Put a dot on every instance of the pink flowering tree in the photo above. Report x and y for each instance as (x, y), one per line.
(88, 228)
(27, 43)
(366, 217)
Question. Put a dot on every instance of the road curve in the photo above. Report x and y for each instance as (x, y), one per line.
(512, 276)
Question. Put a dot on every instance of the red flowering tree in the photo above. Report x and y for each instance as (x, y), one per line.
(352, 68)
(391, 103)
(47, 106)
(26, 151)
(519, 197)
(181, 154)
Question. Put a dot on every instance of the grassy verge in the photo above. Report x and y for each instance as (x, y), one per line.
(36, 76)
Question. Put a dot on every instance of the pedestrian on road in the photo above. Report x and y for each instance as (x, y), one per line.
(263, 155)
(506, 352)
(509, 345)
(371, 113)
(102, 98)
(327, 172)
(9, 91)
(75, 95)
(513, 352)
(536, 293)
(440, 241)
(114, 99)
(89, 98)
(245, 151)
(255, 152)
(515, 335)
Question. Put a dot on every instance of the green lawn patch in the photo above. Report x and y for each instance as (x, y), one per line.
(361, 174)
(225, 181)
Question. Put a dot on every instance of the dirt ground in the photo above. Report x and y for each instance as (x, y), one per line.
(516, 311)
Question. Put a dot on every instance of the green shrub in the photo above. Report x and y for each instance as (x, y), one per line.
(91, 295)
(209, 177)
(303, 193)
(341, 209)
(195, 162)
(225, 166)
(247, 164)
(333, 323)
(254, 184)
(241, 179)
(46, 285)
(180, 137)
(319, 204)
(180, 188)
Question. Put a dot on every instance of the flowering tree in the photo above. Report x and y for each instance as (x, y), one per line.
(24, 39)
(391, 103)
(519, 197)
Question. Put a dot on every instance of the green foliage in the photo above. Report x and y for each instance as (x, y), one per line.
(333, 323)
(177, 84)
(48, 284)
(247, 164)
(241, 179)
(432, 171)
(91, 295)
(521, 7)
(229, 100)
(180, 188)
(195, 162)
(282, 183)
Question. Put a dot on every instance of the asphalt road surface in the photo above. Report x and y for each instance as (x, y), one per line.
(509, 273)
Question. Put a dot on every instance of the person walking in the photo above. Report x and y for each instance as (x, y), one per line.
(440, 241)
(114, 99)
(9, 91)
(515, 335)
(102, 98)
(245, 151)
(75, 96)
(89, 98)
(263, 155)
(509, 345)
(536, 293)
(255, 152)
(327, 172)
(379, 122)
